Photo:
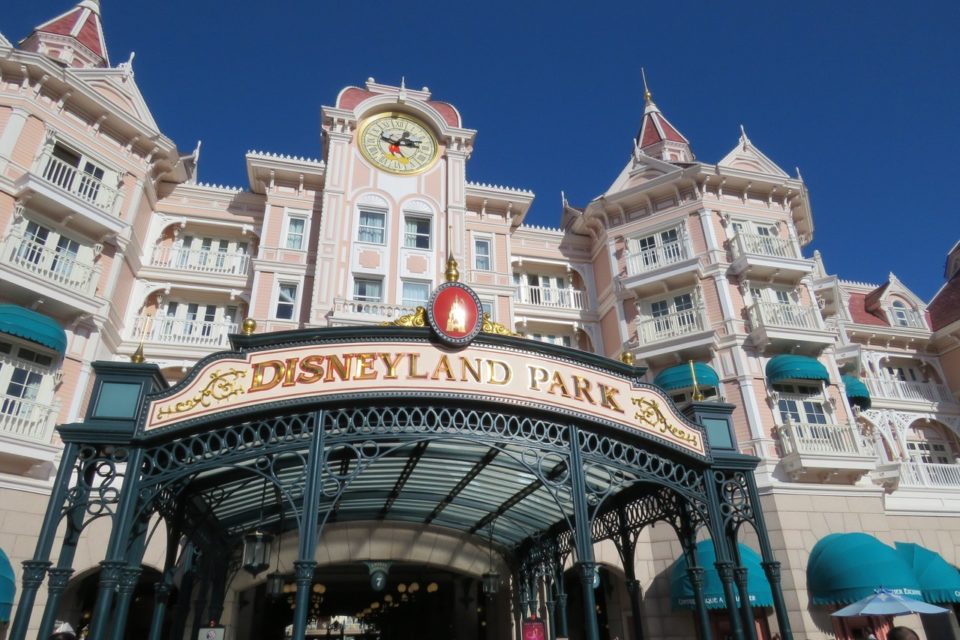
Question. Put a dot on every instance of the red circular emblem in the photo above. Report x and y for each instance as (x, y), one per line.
(455, 313)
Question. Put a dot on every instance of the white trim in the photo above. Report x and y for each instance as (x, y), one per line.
(275, 298)
(298, 214)
(488, 237)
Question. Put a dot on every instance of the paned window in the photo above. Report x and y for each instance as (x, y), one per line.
(372, 225)
(367, 290)
(415, 293)
(286, 300)
(416, 233)
(481, 254)
(296, 228)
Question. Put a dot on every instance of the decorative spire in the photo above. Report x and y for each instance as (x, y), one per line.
(74, 38)
(658, 138)
(647, 96)
(452, 273)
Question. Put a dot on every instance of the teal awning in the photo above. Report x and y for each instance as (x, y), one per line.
(787, 367)
(845, 567)
(939, 581)
(8, 587)
(680, 377)
(857, 392)
(681, 590)
(32, 326)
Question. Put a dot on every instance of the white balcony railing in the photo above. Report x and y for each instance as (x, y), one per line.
(48, 263)
(912, 391)
(775, 314)
(381, 310)
(27, 419)
(670, 326)
(85, 186)
(555, 297)
(921, 474)
(656, 257)
(194, 333)
(820, 439)
(771, 246)
(201, 260)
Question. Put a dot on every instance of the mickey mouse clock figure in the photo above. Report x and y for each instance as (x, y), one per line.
(397, 143)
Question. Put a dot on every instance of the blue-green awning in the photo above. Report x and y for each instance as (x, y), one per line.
(681, 589)
(939, 581)
(845, 567)
(8, 587)
(680, 377)
(857, 392)
(30, 325)
(788, 367)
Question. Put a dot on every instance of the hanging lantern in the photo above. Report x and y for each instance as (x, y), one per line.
(275, 585)
(256, 552)
(491, 583)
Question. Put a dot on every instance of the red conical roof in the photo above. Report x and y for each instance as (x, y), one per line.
(656, 128)
(81, 23)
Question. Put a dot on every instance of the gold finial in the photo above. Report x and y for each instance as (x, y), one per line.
(647, 96)
(249, 326)
(697, 394)
(452, 273)
(137, 357)
(627, 358)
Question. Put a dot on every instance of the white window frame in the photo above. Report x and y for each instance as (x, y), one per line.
(635, 241)
(420, 216)
(474, 255)
(367, 299)
(384, 229)
(403, 284)
(275, 298)
(295, 214)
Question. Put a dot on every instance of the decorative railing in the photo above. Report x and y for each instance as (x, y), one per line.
(201, 260)
(921, 474)
(820, 439)
(656, 257)
(752, 244)
(775, 314)
(381, 310)
(83, 185)
(670, 326)
(913, 391)
(196, 333)
(50, 264)
(27, 419)
(569, 298)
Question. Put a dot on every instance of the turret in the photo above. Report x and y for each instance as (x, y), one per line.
(74, 38)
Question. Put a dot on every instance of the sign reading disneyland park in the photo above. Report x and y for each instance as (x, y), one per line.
(459, 368)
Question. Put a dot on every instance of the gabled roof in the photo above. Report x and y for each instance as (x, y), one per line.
(859, 313)
(118, 86)
(872, 299)
(944, 308)
(747, 157)
(82, 23)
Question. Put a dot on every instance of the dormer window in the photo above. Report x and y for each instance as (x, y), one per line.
(903, 316)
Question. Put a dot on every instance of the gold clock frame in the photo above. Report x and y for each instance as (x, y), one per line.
(366, 122)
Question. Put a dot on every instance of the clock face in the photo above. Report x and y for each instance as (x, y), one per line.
(397, 143)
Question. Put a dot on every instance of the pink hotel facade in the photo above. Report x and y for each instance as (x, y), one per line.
(848, 392)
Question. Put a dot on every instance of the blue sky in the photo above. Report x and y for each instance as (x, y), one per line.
(862, 96)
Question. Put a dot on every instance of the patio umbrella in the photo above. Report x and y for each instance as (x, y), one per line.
(886, 603)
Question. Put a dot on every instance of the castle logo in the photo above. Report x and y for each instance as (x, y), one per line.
(455, 314)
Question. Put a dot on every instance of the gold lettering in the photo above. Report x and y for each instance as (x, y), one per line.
(412, 367)
(289, 376)
(607, 400)
(257, 383)
(443, 365)
(311, 368)
(466, 365)
(537, 375)
(365, 367)
(581, 389)
(558, 383)
(492, 372)
(391, 364)
(341, 367)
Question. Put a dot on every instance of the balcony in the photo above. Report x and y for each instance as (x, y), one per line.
(684, 334)
(917, 475)
(356, 312)
(778, 325)
(49, 264)
(901, 390)
(182, 332)
(667, 266)
(27, 420)
(767, 257)
(824, 453)
(552, 297)
(202, 261)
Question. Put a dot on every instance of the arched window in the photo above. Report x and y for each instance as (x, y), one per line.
(901, 317)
